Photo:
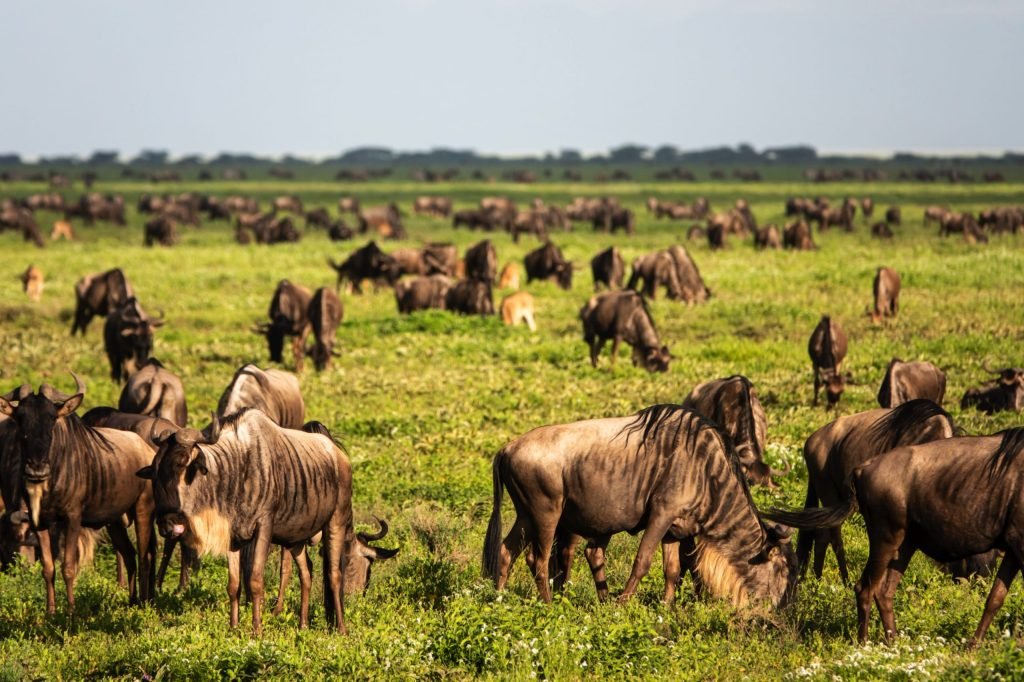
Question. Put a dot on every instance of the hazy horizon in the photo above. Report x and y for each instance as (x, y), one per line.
(510, 78)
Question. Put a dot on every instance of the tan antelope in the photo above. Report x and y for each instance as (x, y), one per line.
(32, 282)
(516, 308)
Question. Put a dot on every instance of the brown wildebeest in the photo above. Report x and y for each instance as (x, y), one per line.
(905, 381)
(436, 207)
(886, 287)
(1004, 394)
(367, 262)
(289, 203)
(934, 214)
(422, 293)
(160, 230)
(128, 335)
(318, 217)
(623, 316)
(767, 237)
(99, 294)
(516, 308)
(608, 269)
(470, 297)
(155, 392)
(62, 229)
(348, 205)
(76, 477)
(867, 207)
(482, 262)
(655, 269)
(797, 235)
(701, 500)
(271, 391)
(893, 216)
(299, 484)
(732, 404)
(32, 282)
(692, 287)
(325, 313)
(509, 278)
(827, 348)
(952, 499)
(289, 316)
(547, 262)
(881, 231)
(386, 220)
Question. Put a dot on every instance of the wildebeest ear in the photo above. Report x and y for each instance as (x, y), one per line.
(381, 554)
(128, 331)
(147, 472)
(6, 407)
(199, 463)
(667, 352)
(70, 405)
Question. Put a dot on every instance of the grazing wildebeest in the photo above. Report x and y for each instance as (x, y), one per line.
(716, 235)
(348, 205)
(155, 392)
(422, 293)
(893, 216)
(934, 214)
(76, 477)
(509, 277)
(881, 231)
(797, 235)
(548, 263)
(32, 282)
(470, 297)
(867, 207)
(318, 217)
(827, 348)
(608, 268)
(289, 316)
(518, 307)
(886, 287)
(338, 231)
(99, 294)
(325, 313)
(439, 259)
(436, 207)
(386, 220)
(288, 203)
(367, 262)
(692, 287)
(767, 237)
(160, 230)
(561, 477)
(1004, 394)
(128, 338)
(623, 316)
(273, 392)
(905, 381)
(732, 404)
(951, 499)
(482, 262)
(655, 269)
(296, 485)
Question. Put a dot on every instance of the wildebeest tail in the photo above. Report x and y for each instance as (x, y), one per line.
(816, 518)
(155, 392)
(492, 541)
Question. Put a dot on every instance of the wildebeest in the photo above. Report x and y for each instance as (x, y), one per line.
(76, 477)
(905, 381)
(518, 307)
(482, 262)
(547, 262)
(160, 230)
(893, 216)
(797, 235)
(436, 207)
(881, 231)
(886, 288)
(732, 404)
(655, 269)
(767, 237)
(386, 220)
(288, 203)
(156, 392)
(608, 268)
(32, 282)
(692, 287)
(128, 338)
(509, 278)
(367, 262)
(422, 293)
(470, 297)
(99, 294)
(289, 316)
(623, 316)
(250, 484)
(867, 207)
(273, 392)
(1004, 394)
(951, 499)
(561, 477)
(348, 205)
(827, 348)
(325, 313)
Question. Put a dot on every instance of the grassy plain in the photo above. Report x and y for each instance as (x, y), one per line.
(422, 402)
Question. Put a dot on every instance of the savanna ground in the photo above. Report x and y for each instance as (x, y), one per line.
(422, 403)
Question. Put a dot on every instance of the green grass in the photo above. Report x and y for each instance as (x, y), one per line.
(422, 403)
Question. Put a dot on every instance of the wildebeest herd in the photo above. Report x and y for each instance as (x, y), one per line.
(259, 474)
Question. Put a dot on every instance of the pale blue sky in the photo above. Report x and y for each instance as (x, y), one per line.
(509, 76)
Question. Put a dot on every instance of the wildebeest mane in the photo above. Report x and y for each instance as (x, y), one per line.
(319, 428)
(889, 431)
(75, 433)
(1008, 452)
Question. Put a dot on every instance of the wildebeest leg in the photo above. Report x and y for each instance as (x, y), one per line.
(615, 348)
(334, 545)
(836, 539)
(146, 541)
(1008, 570)
(595, 559)
(305, 584)
(817, 385)
(672, 566)
(562, 565)
(657, 526)
(126, 556)
(234, 583)
(871, 580)
(259, 561)
(821, 540)
(511, 547)
(285, 574)
(884, 598)
(122, 581)
(595, 350)
(688, 564)
(189, 560)
(165, 558)
(543, 539)
(46, 559)
(69, 569)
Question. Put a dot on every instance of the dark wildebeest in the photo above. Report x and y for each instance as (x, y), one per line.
(655, 269)
(439, 259)
(160, 230)
(155, 392)
(367, 262)
(827, 348)
(250, 484)
(797, 235)
(951, 499)
(547, 262)
(99, 294)
(767, 237)
(561, 477)
(422, 293)
(482, 262)
(692, 287)
(76, 477)
(733, 405)
(273, 392)
(886, 287)
(881, 231)
(325, 313)
(893, 216)
(128, 338)
(318, 217)
(470, 297)
(905, 381)
(623, 316)
(1004, 394)
(289, 316)
(608, 269)
(338, 231)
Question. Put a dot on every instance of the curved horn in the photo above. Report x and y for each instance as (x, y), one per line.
(984, 365)
(783, 472)
(18, 394)
(79, 384)
(52, 394)
(368, 537)
(214, 431)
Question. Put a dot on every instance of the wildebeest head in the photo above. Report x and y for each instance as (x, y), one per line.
(653, 359)
(178, 461)
(36, 416)
(359, 558)
(563, 274)
(775, 569)
(835, 384)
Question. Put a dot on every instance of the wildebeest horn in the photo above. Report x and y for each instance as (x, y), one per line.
(984, 365)
(18, 394)
(783, 472)
(214, 431)
(368, 537)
